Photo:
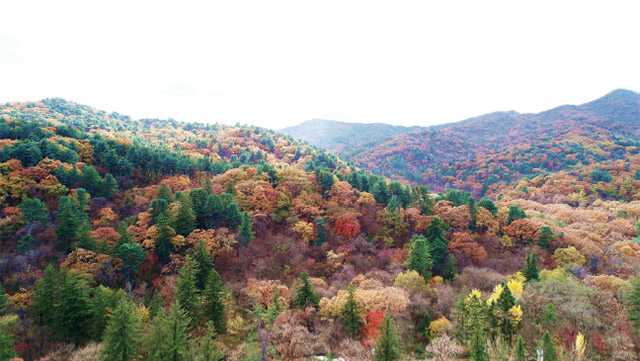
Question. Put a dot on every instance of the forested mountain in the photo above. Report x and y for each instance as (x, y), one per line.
(334, 136)
(151, 239)
(486, 152)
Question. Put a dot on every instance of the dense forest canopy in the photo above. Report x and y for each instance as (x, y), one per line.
(151, 239)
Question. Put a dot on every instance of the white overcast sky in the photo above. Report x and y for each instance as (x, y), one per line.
(278, 63)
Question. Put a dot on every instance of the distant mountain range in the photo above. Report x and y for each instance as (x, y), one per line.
(493, 148)
(332, 135)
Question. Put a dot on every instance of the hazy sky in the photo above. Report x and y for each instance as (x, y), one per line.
(278, 63)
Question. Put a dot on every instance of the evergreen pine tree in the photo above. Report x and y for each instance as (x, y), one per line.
(437, 242)
(101, 304)
(73, 177)
(546, 237)
(245, 233)
(83, 201)
(7, 342)
(380, 192)
(165, 193)
(531, 272)
(230, 187)
(132, 255)
(91, 181)
(4, 301)
(177, 344)
(63, 176)
(156, 304)
(516, 213)
(519, 352)
(419, 258)
(33, 211)
(477, 324)
(388, 344)
(72, 310)
(633, 303)
(424, 326)
(85, 238)
(204, 262)
(110, 186)
(44, 294)
(214, 302)
(184, 221)
(232, 216)
(504, 304)
(213, 211)
(122, 335)
(548, 315)
(164, 241)
(306, 296)
(351, 314)
(548, 347)
(450, 269)
(68, 221)
(155, 341)
(186, 290)
(167, 339)
(207, 348)
(159, 209)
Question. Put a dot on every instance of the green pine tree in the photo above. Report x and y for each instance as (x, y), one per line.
(184, 221)
(388, 345)
(208, 349)
(68, 220)
(549, 350)
(33, 211)
(103, 301)
(519, 352)
(419, 258)
(516, 213)
(477, 323)
(168, 339)
(504, 304)
(156, 304)
(7, 342)
(546, 237)
(232, 216)
(437, 242)
(72, 310)
(165, 193)
(164, 240)
(423, 330)
(110, 186)
(186, 290)
(306, 296)
(91, 181)
(84, 237)
(42, 305)
(132, 256)
(122, 335)
(214, 302)
(205, 264)
(450, 268)
(4, 301)
(531, 272)
(633, 303)
(548, 315)
(351, 314)
(245, 233)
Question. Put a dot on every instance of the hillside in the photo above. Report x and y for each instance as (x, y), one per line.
(334, 136)
(502, 147)
(161, 240)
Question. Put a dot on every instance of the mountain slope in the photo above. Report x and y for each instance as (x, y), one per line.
(332, 135)
(505, 146)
